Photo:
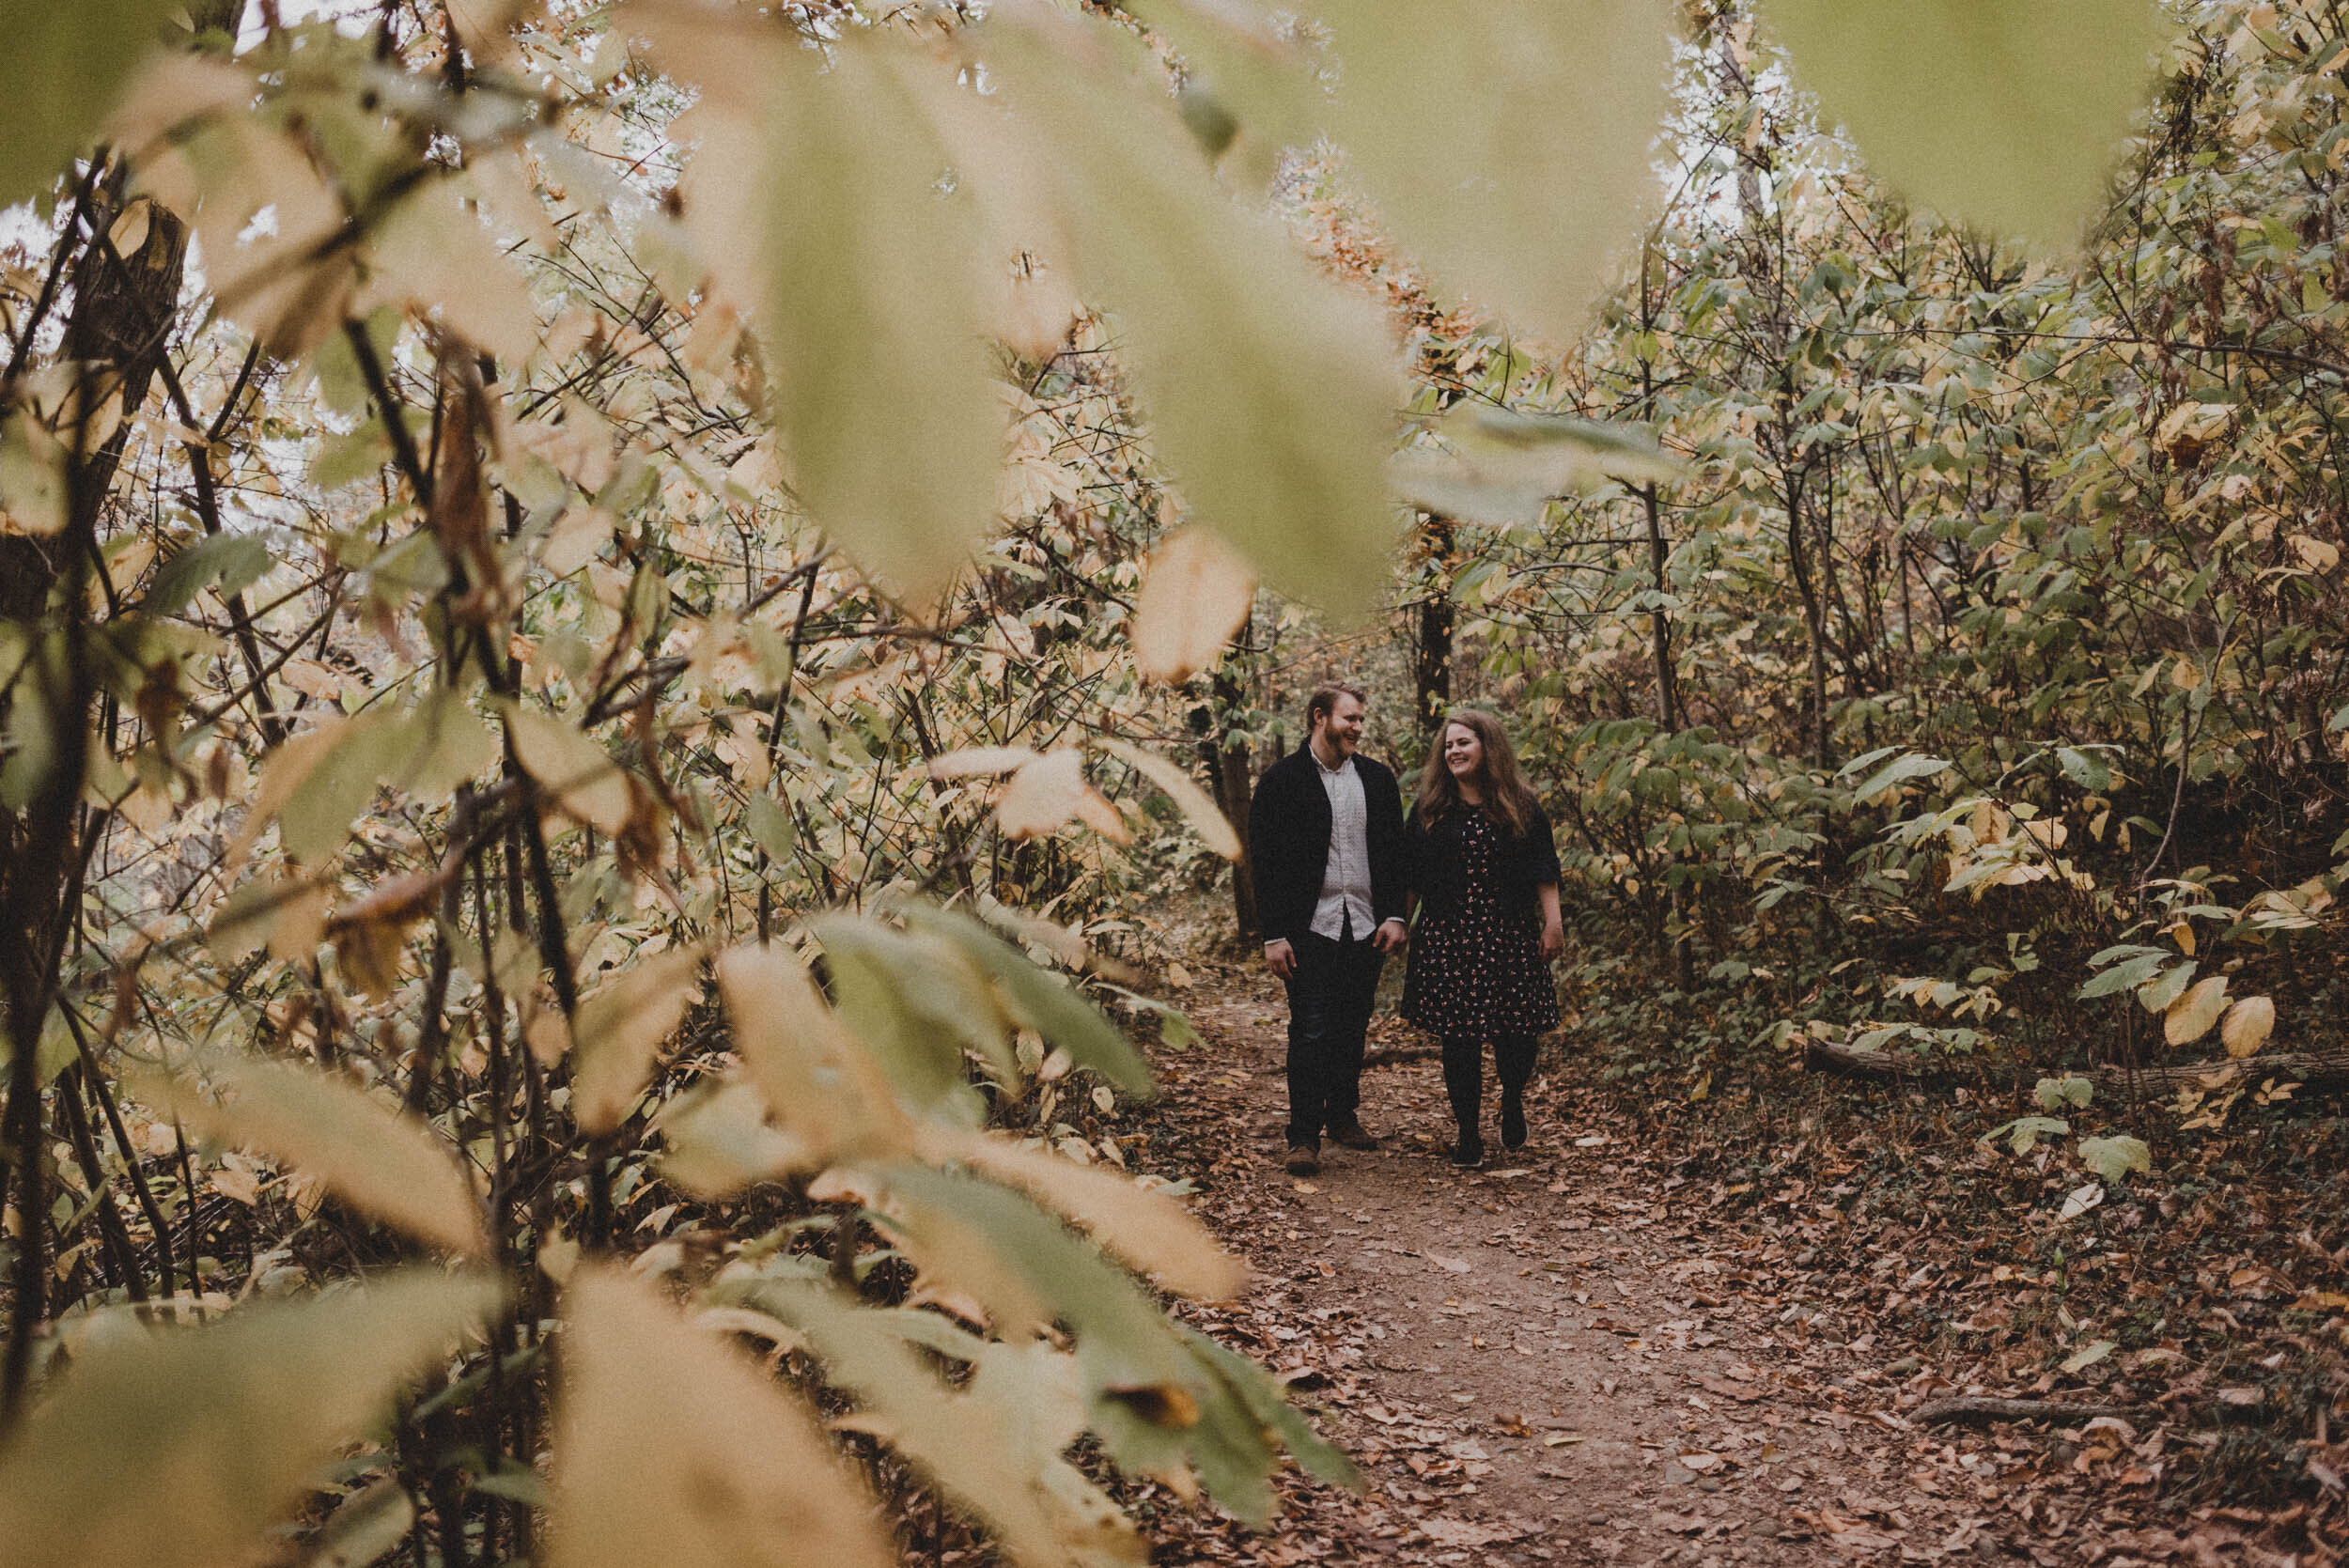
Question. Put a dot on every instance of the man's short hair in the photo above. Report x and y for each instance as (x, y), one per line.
(1325, 700)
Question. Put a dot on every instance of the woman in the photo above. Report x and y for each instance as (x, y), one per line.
(1485, 876)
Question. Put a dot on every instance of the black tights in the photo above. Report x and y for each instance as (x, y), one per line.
(1464, 1074)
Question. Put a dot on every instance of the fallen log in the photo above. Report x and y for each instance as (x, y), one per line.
(1980, 1411)
(2319, 1072)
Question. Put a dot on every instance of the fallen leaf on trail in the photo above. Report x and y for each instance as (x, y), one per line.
(1467, 1532)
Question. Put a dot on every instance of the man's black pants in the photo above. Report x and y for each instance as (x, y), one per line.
(1332, 992)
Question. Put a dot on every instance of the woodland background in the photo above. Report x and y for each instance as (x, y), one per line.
(505, 503)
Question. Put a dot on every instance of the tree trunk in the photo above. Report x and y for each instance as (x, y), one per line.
(1231, 774)
(115, 335)
(1439, 618)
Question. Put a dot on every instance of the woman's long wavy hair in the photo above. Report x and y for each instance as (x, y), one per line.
(1508, 801)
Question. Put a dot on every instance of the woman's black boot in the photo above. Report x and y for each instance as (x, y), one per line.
(1512, 1121)
(1468, 1153)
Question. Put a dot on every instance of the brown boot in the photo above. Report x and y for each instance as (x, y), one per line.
(1304, 1159)
(1351, 1133)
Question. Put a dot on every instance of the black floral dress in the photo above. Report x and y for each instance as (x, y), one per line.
(1476, 964)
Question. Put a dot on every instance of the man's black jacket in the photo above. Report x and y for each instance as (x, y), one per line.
(1288, 843)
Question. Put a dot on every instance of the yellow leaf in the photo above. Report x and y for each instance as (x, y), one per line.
(618, 1030)
(1999, 112)
(434, 255)
(1148, 1231)
(1184, 791)
(1100, 813)
(378, 1160)
(827, 171)
(281, 776)
(184, 1446)
(1270, 394)
(1196, 593)
(716, 1140)
(997, 1444)
(674, 1448)
(1504, 468)
(2190, 1016)
(1509, 141)
(2248, 1024)
(582, 777)
(818, 1081)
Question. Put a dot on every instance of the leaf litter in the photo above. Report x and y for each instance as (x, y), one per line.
(1656, 1336)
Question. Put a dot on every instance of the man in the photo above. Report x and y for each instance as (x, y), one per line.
(1325, 839)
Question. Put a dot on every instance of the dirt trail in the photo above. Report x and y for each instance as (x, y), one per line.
(1533, 1363)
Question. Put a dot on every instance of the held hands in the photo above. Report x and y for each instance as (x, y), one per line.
(1280, 958)
(1554, 939)
(1389, 935)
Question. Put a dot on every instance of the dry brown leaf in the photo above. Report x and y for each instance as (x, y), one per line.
(377, 1159)
(1043, 795)
(1196, 593)
(673, 1449)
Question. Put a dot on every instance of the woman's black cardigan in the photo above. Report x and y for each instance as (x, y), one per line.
(1439, 875)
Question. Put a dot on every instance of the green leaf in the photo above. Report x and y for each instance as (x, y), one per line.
(1269, 392)
(2114, 1157)
(1264, 1399)
(2124, 976)
(996, 1444)
(2156, 994)
(1508, 141)
(1042, 1000)
(916, 1014)
(1147, 1396)
(1500, 467)
(2054, 1093)
(881, 393)
(233, 562)
(185, 1445)
(770, 827)
(2084, 768)
(1913, 765)
(2005, 113)
(2024, 1133)
(67, 62)
(317, 817)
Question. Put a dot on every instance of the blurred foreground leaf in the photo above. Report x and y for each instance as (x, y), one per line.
(2005, 113)
(183, 1446)
(676, 1449)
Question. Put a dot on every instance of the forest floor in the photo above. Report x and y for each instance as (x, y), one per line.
(1584, 1354)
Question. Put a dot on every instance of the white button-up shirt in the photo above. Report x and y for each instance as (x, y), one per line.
(1346, 879)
